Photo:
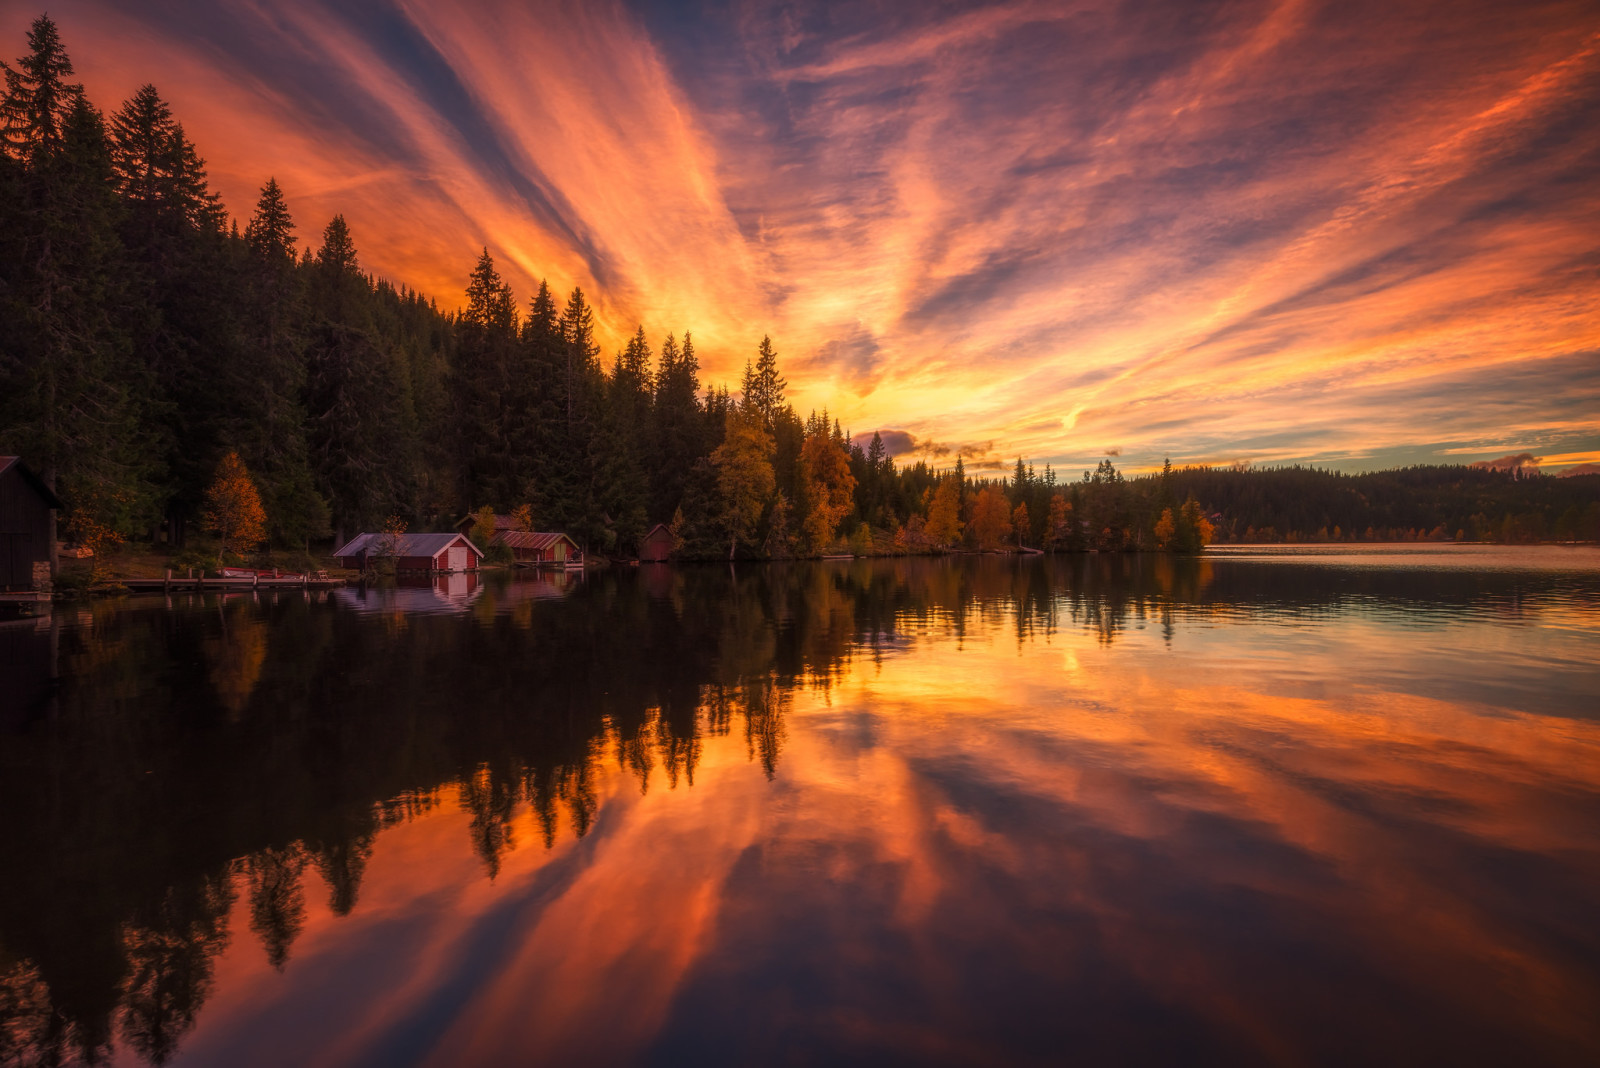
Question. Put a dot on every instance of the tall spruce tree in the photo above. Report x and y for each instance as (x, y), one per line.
(69, 395)
(265, 389)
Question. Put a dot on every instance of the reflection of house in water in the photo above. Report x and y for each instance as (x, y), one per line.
(412, 592)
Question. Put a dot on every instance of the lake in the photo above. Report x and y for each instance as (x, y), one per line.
(1316, 806)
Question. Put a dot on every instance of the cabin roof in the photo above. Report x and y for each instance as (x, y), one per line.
(531, 539)
(50, 499)
(661, 527)
(501, 522)
(406, 544)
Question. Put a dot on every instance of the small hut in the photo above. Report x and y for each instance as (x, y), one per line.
(656, 546)
(547, 549)
(27, 529)
(411, 552)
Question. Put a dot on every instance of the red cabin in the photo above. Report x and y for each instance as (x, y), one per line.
(411, 552)
(533, 547)
(656, 546)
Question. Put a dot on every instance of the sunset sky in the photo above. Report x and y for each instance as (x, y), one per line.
(1352, 234)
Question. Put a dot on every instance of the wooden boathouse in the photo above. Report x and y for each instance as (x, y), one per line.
(656, 546)
(27, 530)
(545, 549)
(411, 552)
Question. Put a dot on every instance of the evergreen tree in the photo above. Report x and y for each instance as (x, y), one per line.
(39, 99)
(262, 391)
(70, 397)
(763, 386)
(359, 424)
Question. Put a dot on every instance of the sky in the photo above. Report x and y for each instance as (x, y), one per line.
(1352, 234)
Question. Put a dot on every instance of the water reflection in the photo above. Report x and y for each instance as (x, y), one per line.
(1127, 808)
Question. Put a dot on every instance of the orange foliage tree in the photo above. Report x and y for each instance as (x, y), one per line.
(944, 514)
(991, 521)
(232, 508)
(829, 486)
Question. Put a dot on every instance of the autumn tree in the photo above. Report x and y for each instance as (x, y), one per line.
(1058, 534)
(1019, 521)
(744, 475)
(944, 514)
(828, 484)
(1165, 528)
(233, 507)
(991, 522)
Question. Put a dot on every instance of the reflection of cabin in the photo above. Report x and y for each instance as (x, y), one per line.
(25, 534)
(656, 545)
(411, 552)
(533, 547)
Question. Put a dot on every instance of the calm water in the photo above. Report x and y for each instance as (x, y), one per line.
(1272, 807)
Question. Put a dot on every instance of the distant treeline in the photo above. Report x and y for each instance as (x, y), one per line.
(144, 338)
(1419, 503)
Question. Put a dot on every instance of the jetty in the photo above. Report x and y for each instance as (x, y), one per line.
(257, 581)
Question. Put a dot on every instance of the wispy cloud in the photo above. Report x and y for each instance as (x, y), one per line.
(1273, 231)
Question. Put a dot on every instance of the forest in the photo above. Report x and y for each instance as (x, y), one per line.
(148, 342)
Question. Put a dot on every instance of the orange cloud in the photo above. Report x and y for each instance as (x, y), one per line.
(1287, 231)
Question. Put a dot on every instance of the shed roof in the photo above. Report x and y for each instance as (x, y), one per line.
(530, 539)
(501, 522)
(50, 499)
(405, 544)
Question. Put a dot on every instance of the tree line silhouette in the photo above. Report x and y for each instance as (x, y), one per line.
(147, 342)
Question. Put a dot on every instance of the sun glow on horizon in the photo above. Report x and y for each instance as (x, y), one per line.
(1271, 233)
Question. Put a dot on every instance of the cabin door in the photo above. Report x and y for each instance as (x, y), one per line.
(456, 558)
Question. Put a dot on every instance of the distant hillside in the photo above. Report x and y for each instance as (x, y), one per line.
(1440, 502)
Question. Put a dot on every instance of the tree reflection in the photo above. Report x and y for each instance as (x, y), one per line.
(144, 797)
(277, 901)
(170, 961)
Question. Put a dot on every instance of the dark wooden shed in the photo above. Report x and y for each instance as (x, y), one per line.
(27, 528)
(656, 546)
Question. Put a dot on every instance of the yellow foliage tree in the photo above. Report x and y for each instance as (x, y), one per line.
(944, 514)
(1019, 521)
(744, 475)
(232, 507)
(1165, 529)
(522, 515)
(483, 527)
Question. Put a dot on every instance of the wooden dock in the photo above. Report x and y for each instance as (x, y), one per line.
(182, 583)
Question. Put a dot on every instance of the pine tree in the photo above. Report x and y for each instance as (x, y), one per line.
(69, 395)
(263, 391)
(763, 386)
(39, 99)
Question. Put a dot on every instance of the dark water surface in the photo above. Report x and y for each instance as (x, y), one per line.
(1313, 808)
